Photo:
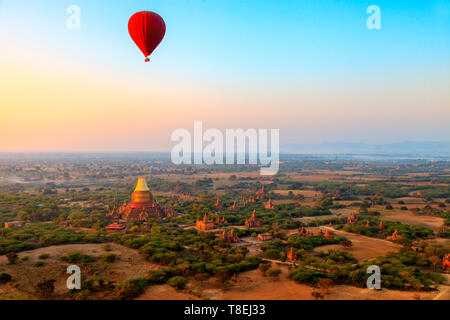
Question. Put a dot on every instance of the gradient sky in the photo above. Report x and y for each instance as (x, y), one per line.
(310, 68)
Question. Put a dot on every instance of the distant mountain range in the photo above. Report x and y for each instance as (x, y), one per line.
(408, 147)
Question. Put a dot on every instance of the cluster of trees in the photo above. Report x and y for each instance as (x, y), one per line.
(35, 235)
(407, 232)
(401, 270)
(277, 249)
(189, 252)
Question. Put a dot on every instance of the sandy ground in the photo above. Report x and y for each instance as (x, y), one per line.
(409, 218)
(249, 285)
(344, 212)
(363, 248)
(305, 193)
(252, 285)
(166, 292)
(129, 264)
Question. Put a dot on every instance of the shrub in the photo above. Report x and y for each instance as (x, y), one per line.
(110, 257)
(275, 273)
(46, 288)
(12, 257)
(302, 275)
(5, 278)
(178, 282)
(317, 295)
(76, 257)
(38, 264)
(132, 288)
(43, 256)
(272, 254)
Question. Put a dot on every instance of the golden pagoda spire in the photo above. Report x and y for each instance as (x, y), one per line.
(141, 185)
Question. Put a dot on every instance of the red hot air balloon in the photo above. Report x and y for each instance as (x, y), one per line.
(147, 29)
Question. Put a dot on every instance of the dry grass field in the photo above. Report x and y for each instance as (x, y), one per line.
(363, 248)
(252, 285)
(410, 218)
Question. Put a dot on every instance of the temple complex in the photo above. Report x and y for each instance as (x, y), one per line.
(327, 234)
(269, 205)
(260, 193)
(115, 227)
(219, 220)
(305, 233)
(204, 224)
(352, 218)
(142, 206)
(292, 255)
(230, 237)
(446, 261)
(395, 236)
(253, 222)
(218, 205)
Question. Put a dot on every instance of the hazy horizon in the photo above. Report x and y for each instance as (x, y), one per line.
(324, 148)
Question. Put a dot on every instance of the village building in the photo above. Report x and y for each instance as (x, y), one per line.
(115, 227)
(265, 237)
(13, 225)
(253, 222)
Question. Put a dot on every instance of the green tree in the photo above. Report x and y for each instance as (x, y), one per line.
(12, 257)
(264, 267)
(178, 282)
(46, 288)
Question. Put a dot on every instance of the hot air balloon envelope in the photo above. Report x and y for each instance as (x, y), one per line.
(147, 29)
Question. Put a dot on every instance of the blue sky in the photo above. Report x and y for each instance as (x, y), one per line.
(285, 51)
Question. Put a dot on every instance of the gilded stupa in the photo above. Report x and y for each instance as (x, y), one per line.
(141, 197)
(142, 206)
